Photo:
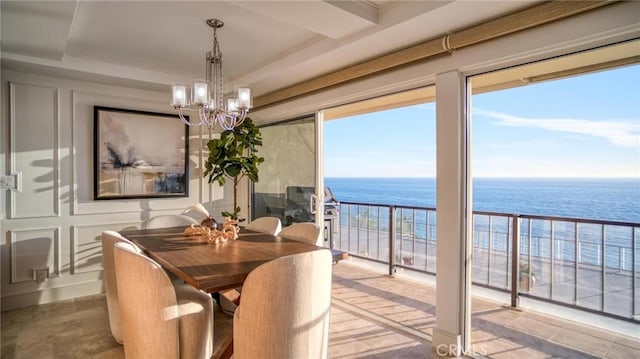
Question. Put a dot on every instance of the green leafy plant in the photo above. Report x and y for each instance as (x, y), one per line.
(234, 156)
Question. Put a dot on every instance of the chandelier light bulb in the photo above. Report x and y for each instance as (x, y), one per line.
(244, 97)
(179, 97)
(200, 93)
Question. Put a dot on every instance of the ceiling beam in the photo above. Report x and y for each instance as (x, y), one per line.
(320, 17)
(362, 9)
(47, 37)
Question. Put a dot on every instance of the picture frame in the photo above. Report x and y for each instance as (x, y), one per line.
(139, 154)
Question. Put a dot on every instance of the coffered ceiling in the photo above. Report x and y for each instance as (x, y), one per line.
(266, 44)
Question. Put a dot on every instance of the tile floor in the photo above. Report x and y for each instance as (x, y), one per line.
(372, 316)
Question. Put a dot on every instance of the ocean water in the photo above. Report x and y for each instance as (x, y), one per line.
(611, 199)
(616, 199)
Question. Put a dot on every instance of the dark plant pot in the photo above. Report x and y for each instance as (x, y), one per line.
(527, 282)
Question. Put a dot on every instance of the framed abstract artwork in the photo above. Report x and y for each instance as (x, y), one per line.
(139, 154)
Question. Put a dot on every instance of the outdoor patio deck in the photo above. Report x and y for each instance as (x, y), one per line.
(372, 316)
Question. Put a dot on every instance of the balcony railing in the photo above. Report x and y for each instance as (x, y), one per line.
(590, 265)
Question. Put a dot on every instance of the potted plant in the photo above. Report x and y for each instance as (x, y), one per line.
(526, 277)
(234, 155)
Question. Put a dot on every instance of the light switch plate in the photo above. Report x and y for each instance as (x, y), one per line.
(12, 182)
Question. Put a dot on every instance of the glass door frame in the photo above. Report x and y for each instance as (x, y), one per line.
(317, 198)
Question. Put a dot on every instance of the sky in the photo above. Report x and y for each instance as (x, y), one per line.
(582, 126)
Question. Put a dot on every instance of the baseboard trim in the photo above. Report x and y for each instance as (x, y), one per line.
(21, 300)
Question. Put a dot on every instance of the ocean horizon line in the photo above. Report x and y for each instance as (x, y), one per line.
(489, 177)
(613, 199)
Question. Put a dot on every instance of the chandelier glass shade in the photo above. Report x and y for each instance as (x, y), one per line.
(206, 97)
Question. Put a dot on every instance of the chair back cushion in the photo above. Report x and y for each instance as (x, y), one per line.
(148, 306)
(304, 232)
(269, 225)
(109, 239)
(284, 309)
(197, 212)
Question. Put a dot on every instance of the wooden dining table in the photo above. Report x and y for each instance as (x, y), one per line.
(213, 267)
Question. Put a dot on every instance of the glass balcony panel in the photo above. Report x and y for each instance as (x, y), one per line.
(562, 260)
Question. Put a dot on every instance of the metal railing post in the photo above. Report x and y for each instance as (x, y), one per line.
(358, 220)
(634, 309)
(575, 264)
(426, 241)
(551, 262)
(603, 269)
(489, 249)
(349, 230)
(378, 234)
(413, 238)
(515, 259)
(392, 242)
(368, 231)
(509, 244)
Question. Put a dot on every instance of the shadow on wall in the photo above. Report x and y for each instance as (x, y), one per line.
(28, 265)
(47, 179)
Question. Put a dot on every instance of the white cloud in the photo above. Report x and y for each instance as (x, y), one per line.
(620, 133)
(521, 144)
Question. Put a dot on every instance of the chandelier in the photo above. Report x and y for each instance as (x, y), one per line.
(206, 97)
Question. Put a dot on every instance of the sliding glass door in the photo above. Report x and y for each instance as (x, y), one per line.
(288, 182)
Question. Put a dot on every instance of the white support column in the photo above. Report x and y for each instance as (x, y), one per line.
(453, 198)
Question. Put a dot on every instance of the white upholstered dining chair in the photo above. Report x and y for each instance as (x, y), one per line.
(109, 239)
(158, 319)
(303, 232)
(294, 321)
(229, 299)
(168, 220)
(269, 225)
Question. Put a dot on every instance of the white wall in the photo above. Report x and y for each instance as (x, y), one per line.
(47, 136)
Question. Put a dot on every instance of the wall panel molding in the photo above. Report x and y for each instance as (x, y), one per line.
(33, 248)
(86, 247)
(55, 155)
(34, 123)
